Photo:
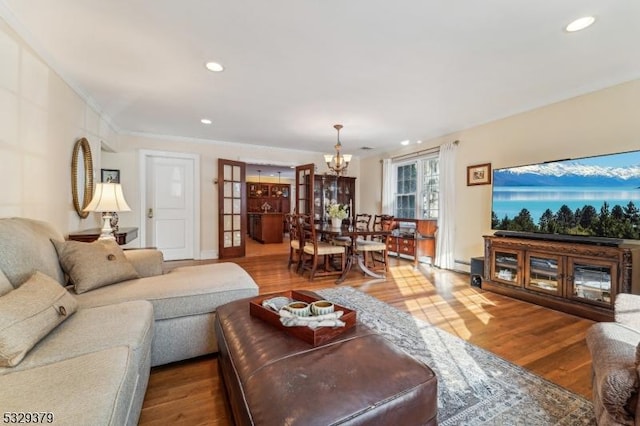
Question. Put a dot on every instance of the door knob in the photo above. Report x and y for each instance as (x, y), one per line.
(150, 214)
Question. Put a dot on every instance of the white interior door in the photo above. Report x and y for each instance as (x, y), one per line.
(170, 206)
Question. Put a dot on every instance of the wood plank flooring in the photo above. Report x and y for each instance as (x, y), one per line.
(546, 342)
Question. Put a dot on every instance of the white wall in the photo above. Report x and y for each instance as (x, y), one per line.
(126, 159)
(41, 117)
(602, 122)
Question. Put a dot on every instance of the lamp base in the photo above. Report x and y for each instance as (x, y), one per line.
(106, 231)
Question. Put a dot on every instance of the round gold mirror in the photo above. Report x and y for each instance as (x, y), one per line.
(81, 176)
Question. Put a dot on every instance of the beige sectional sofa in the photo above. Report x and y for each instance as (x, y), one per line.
(93, 366)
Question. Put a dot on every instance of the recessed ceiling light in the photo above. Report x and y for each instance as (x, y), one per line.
(214, 66)
(418, 142)
(205, 121)
(406, 142)
(580, 24)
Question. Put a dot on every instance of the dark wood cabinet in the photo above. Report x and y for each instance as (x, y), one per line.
(123, 235)
(580, 279)
(266, 227)
(331, 189)
(277, 196)
(414, 238)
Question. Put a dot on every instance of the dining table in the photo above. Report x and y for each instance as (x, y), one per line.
(353, 257)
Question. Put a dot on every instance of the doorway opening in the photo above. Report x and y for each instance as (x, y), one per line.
(270, 195)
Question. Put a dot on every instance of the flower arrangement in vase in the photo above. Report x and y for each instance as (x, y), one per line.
(337, 213)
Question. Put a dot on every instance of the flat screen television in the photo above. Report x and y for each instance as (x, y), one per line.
(595, 197)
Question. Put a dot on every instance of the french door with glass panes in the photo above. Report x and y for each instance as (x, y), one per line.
(232, 208)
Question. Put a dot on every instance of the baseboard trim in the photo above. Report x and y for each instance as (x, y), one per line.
(208, 254)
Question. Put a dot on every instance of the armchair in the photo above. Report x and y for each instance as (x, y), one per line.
(614, 350)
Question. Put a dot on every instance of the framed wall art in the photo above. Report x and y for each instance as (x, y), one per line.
(479, 174)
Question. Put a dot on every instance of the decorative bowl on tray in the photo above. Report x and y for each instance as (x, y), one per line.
(314, 337)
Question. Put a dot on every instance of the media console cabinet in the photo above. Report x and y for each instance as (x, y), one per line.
(578, 278)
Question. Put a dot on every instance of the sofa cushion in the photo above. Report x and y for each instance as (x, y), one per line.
(184, 291)
(613, 353)
(91, 389)
(94, 329)
(26, 247)
(29, 313)
(5, 285)
(94, 265)
(148, 262)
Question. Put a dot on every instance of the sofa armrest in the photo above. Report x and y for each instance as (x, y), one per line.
(627, 310)
(147, 262)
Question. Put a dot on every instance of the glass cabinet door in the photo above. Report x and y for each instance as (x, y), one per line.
(592, 280)
(544, 273)
(324, 193)
(506, 266)
(330, 189)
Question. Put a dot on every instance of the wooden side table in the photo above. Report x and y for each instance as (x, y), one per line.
(123, 235)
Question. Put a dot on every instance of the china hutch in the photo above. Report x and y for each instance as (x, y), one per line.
(580, 278)
(329, 189)
(270, 197)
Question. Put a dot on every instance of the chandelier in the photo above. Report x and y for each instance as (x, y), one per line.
(259, 190)
(338, 163)
(279, 191)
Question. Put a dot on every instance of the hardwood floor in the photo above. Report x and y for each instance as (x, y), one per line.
(546, 342)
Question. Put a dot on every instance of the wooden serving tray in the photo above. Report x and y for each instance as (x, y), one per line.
(314, 337)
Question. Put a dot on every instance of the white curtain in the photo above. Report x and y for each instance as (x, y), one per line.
(446, 206)
(387, 187)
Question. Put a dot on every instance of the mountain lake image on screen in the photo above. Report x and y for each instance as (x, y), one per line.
(593, 196)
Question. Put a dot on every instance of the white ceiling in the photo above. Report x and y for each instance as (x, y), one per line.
(387, 70)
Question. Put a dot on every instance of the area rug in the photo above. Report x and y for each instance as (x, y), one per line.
(475, 387)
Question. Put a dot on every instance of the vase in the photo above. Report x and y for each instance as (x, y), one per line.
(336, 223)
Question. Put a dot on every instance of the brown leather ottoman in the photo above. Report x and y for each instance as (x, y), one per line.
(358, 378)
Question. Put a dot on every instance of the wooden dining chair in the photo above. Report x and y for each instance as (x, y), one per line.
(318, 256)
(363, 220)
(376, 247)
(294, 240)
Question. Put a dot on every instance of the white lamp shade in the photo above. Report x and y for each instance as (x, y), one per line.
(328, 158)
(347, 157)
(108, 197)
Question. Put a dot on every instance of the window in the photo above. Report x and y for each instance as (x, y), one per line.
(417, 188)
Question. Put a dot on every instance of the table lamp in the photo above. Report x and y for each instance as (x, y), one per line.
(107, 198)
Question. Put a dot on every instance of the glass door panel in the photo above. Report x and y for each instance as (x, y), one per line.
(232, 222)
(304, 190)
(544, 273)
(506, 266)
(592, 281)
